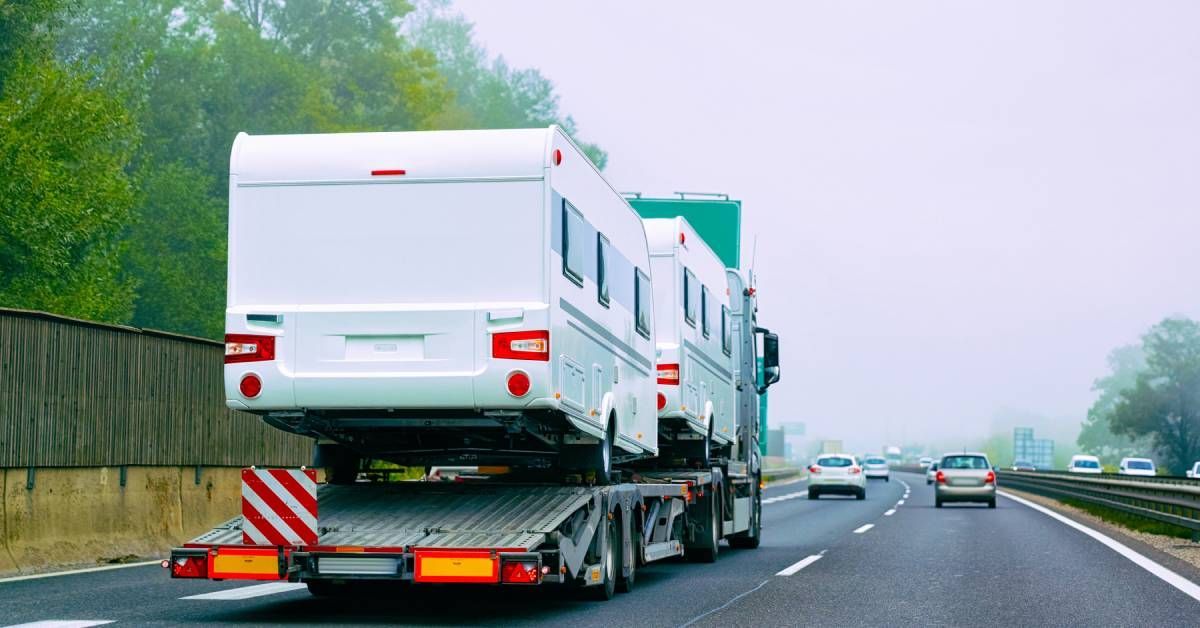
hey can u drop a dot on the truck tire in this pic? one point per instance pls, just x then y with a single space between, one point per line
609 564
707 553
750 539
629 559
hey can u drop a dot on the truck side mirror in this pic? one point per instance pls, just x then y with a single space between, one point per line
770 359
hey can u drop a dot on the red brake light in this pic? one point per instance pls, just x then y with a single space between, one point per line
518 384
662 401
522 345
388 172
189 566
991 478
668 374
941 477
250 386
814 469
248 348
855 470
524 572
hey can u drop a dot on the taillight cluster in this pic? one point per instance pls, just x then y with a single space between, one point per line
521 572
941 477
522 345
249 348
194 566
668 374
814 469
855 470
991 478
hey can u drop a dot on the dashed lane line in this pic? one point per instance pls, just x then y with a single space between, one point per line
245 593
864 528
780 498
63 623
800 564
890 512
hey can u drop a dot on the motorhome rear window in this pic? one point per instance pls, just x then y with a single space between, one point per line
726 332
573 230
704 325
690 296
602 257
641 291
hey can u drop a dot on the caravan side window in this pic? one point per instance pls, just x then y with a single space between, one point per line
726 331
572 243
690 294
641 302
704 326
602 257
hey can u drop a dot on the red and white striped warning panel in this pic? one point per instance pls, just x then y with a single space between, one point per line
279 506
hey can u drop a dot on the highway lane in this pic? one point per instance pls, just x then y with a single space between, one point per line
965 565
667 594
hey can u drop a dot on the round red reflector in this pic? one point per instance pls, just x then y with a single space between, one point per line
557 157
682 238
518 384
662 401
251 386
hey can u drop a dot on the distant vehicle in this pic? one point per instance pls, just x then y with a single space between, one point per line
1136 466
1023 465
966 477
893 455
1194 472
836 473
1081 463
925 462
931 472
876 467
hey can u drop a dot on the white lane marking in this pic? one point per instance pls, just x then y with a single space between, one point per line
1166 575
907 488
53 574
800 564
890 512
900 503
864 528
245 593
63 623
780 498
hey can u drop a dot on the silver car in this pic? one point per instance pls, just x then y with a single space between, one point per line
965 477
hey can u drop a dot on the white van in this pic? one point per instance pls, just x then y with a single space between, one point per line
442 297
1083 463
695 342
1136 466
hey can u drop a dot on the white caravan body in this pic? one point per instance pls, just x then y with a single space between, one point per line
694 335
405 279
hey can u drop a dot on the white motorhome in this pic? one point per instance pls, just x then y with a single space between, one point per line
695 341
442 297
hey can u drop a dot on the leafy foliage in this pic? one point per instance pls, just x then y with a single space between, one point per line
116 121
1097 437
1164 403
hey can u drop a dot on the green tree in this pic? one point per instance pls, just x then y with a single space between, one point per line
1097 436
489 93
65 195
1164 403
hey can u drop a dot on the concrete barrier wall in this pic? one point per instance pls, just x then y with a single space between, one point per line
82 515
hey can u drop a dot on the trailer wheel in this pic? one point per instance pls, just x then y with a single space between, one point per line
609 560
596 459
629 559
707 553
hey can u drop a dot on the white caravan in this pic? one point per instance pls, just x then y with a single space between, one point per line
442 297
695 342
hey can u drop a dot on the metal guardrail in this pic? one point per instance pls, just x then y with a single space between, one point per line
781 473
1171 500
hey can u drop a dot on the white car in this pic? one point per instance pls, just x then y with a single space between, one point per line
925 462
876 467
931 472
1081 463
836 473
1136 466
1194 472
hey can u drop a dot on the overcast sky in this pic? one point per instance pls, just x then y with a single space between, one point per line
960 207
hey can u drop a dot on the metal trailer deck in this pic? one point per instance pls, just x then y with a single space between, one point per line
481 532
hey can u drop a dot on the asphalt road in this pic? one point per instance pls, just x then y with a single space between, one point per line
961 565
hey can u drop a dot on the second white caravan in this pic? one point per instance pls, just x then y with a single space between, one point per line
695 343
443 297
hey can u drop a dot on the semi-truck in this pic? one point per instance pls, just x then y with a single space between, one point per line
376 361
